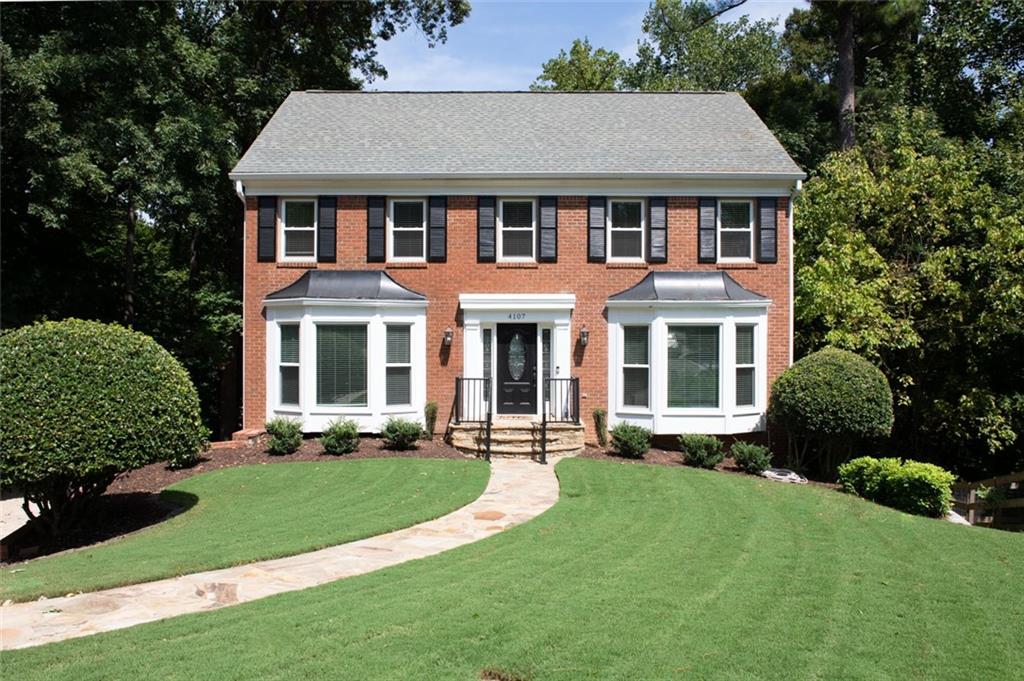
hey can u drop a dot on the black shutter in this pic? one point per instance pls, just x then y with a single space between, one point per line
375 238
657 230
596 229
437 229
326 229
706 237
485 227
767 231
266 229
547 234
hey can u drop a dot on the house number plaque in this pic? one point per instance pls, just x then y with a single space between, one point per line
516 316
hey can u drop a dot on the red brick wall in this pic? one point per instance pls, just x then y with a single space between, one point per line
443 282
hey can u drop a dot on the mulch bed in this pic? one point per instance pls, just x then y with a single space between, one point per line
133 501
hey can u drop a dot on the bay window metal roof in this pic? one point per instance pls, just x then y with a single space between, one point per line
697 287
346 285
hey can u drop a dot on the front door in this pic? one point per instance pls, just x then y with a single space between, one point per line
517 369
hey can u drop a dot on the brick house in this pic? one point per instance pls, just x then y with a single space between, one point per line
531 256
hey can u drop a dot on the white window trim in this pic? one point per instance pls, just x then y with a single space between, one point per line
316 363
643 229
737 366
391 227
728 418
633 408
282 406
282 228
397 365
501 229
719 229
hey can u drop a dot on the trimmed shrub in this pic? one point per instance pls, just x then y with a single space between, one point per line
430 419
285 435
400 434
828 402
630 441
83 402
703 451
601 426
750 457
911 486
341 436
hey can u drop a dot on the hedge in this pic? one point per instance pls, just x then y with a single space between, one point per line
911 486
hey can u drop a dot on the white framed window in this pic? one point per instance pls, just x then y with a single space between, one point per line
517 225
398 364
626 223
694 366
636 366
288 365
735 231
341 364
407 230
298 230
745 365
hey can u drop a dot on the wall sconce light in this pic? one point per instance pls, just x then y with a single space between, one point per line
584 336
447 338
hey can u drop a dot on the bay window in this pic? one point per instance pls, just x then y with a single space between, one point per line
288 365
341 365
635 366
398 371
693 366
745 365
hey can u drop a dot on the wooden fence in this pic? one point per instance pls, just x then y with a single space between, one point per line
996 502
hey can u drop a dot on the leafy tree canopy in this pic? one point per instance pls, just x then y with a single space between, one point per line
581 68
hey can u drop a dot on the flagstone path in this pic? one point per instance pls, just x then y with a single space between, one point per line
517 491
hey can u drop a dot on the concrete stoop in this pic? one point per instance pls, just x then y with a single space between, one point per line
517 437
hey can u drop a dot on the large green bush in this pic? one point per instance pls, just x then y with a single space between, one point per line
630 441
83 402
285 435
703 451
828 402
911 486
751 457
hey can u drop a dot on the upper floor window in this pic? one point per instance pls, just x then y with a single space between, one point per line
626 229
735 230
298 229
517 222
407 230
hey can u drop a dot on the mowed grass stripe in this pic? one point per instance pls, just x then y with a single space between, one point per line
638 572
252 513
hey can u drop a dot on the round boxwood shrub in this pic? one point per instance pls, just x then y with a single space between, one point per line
400 434
703 451
341 436
750 457
828 402
630 441
83 402
285 435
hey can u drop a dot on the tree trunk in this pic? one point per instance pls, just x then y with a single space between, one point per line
847 133
129 268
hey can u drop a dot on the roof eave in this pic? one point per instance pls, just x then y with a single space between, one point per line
778 175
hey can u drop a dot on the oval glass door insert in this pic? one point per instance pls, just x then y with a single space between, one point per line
516 357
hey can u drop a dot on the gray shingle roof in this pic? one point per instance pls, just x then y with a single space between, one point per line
705 287
514 134
346 285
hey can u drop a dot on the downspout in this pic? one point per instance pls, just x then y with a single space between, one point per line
240 192
792 243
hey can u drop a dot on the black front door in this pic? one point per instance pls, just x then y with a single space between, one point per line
517 368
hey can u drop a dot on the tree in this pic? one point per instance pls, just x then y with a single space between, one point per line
119 126
686 47
582 68
911 252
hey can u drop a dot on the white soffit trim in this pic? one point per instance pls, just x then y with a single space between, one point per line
499 302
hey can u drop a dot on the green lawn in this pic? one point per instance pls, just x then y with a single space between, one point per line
639 572
258 512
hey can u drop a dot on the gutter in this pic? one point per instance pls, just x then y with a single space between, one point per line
792 254
296 177
240 193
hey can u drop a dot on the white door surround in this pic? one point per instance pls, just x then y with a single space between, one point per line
552 311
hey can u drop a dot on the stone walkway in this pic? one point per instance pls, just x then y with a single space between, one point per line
518 490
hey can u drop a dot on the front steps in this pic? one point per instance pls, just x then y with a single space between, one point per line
516 436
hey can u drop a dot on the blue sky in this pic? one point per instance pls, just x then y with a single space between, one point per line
502 44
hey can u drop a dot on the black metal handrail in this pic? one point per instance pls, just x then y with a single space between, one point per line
561 405
473 405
